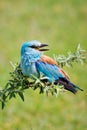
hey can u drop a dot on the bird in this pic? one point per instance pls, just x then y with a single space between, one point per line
34 63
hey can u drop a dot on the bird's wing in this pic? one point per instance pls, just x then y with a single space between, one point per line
50 68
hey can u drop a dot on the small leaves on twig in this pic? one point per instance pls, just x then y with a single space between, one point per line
18 82
79 56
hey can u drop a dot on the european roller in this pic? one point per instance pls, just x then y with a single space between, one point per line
34 63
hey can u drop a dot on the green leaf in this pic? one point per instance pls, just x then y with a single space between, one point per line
12 95
3 105
41 90
21 95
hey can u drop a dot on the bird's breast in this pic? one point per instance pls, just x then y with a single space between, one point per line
29 68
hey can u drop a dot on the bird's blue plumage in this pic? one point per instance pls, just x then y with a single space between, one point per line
49 70
33 63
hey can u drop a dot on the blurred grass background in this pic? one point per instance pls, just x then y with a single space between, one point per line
62 24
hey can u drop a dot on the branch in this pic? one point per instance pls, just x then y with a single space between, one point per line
18 83
79 56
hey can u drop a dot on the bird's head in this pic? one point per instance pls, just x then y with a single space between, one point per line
34 46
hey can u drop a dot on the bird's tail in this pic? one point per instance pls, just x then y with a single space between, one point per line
68 85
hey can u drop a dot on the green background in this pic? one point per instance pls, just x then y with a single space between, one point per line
63 25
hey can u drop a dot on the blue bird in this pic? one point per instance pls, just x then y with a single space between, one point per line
34 63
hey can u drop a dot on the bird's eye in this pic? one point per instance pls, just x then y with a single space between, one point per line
33 46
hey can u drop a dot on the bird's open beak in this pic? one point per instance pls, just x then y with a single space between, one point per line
43 49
